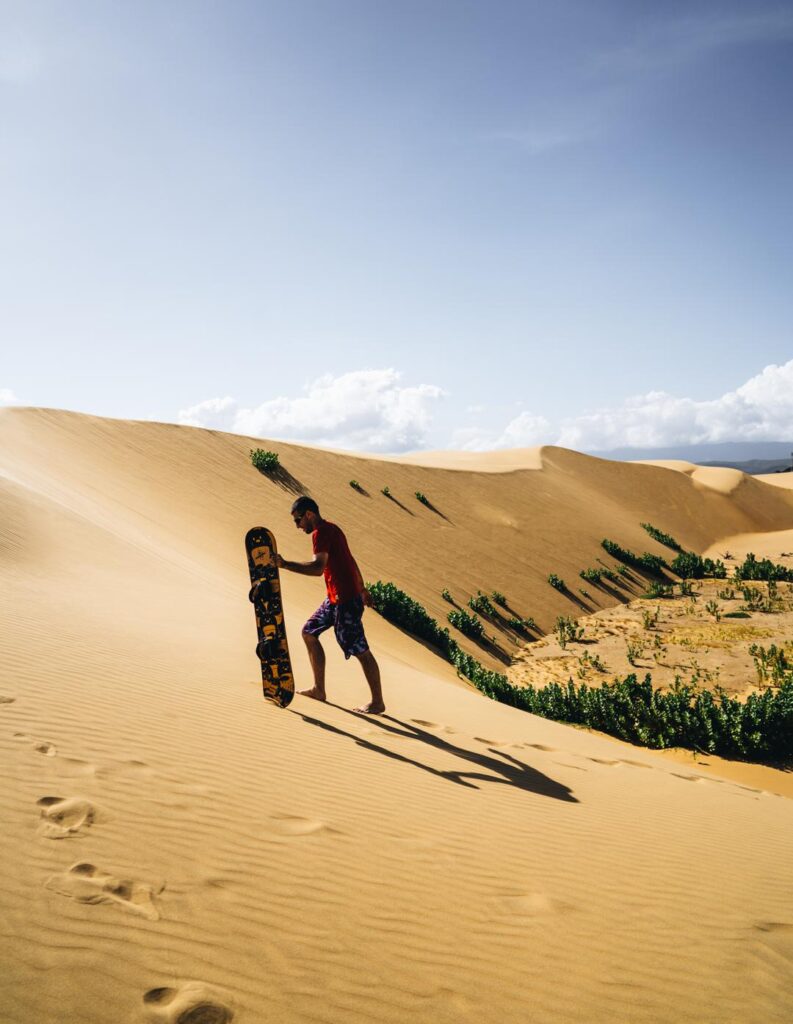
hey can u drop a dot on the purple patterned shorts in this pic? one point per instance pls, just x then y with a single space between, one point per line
345 618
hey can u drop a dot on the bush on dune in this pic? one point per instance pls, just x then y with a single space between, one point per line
757 729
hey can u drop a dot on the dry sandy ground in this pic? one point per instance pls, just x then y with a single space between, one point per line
176 850
677 638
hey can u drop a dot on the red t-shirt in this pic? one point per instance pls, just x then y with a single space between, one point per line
342 579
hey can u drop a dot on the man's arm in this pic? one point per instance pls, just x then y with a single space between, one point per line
313 568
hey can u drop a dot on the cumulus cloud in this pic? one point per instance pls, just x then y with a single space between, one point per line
7 396
364 410
215 413
759 410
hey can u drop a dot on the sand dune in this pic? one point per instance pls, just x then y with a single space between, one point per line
176 850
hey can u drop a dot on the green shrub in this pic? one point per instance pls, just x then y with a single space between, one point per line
634 649
356 486
691 566
265 462
662 538
447 596
756 601
395 605
644 563
499 598
470 625
567 631
713 609
620 553
482 605
557 582
422 498
587 662
523 626
386 491
654 563
757 729
765 569
592 575
658 589
772 661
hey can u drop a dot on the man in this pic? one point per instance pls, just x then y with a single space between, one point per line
343 607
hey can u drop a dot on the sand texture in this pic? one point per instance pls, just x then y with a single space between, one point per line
175 850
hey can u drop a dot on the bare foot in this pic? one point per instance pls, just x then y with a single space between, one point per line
371 708
313 693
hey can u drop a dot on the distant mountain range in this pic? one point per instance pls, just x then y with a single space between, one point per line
748 456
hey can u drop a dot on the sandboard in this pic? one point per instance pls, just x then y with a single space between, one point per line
278 684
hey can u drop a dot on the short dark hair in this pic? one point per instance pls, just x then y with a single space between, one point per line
305 504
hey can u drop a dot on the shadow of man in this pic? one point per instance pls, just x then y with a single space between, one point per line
501 768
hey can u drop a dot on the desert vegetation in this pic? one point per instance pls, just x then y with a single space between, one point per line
661 537
687 715
264 461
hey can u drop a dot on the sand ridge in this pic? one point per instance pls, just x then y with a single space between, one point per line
178 851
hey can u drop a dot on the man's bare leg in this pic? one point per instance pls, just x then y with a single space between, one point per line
316 656
372 672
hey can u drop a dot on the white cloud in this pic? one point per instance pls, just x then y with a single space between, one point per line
523 431
7 396
371 410
214 413
759 410
364 410
671 43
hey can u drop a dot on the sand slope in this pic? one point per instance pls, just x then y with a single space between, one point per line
172 843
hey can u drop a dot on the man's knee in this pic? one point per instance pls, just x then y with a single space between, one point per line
311 640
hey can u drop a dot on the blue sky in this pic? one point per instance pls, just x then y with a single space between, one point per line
397 225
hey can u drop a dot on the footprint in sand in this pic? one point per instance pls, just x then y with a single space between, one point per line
6 700
775 926
47 749
423 724
192 1003
532 904
72 767
294 825
777 936
64 817
618 763
541 746
127 769
87 884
